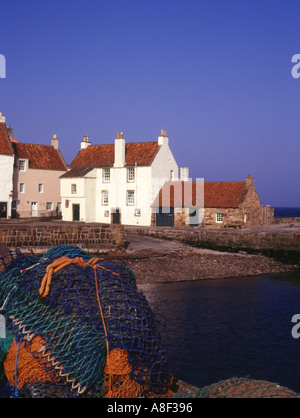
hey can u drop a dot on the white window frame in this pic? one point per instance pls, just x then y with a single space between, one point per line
22 165
22 188
219 218
104 198
73 188
106 175
41 187
130 197
130 174
51 206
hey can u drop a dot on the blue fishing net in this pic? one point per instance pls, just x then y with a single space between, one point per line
69 323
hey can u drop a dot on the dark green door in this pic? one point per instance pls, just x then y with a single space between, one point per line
116 216
3 210
76 212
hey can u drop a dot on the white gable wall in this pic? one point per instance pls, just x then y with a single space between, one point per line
6 180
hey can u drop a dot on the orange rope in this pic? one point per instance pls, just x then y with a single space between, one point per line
63 262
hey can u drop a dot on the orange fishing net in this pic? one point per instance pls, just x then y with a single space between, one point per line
118 383
29 369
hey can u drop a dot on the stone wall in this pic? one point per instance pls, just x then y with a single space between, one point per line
86 236
285 220
252 208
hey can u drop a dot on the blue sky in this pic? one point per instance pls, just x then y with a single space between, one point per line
215 74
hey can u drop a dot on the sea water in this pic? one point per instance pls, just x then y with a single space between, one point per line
240 327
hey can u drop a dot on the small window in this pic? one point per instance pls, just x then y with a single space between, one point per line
130 197
104 197
130 174
172 175
22 187
41 188
67 203
74 188
58 206
219 217
22 165
106 175
138 212
49 205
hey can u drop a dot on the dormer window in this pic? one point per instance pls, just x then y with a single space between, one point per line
22 165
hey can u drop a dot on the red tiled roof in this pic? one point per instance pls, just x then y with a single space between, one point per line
223 194
217 194
141 153
5 147
43 157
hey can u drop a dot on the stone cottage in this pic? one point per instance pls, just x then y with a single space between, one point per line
211 204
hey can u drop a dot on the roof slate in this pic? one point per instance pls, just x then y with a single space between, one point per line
140 153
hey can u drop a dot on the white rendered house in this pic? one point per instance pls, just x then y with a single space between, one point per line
116 183
6 170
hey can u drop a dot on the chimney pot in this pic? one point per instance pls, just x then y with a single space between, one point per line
85 143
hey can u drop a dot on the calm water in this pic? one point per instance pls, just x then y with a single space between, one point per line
286 212
217 329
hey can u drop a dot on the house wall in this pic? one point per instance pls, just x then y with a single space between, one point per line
117 189
252 208
31 178
6 180
84 197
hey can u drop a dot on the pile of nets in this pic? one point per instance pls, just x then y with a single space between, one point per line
76 326
242 388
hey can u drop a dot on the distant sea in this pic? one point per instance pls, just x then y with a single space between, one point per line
286 212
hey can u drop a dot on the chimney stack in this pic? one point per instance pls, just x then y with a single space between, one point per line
54 142
85 143
2 118
184 173
119 151
10 132
163 138
249 181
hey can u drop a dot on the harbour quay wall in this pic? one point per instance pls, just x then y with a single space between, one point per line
86 236
271 243
285 220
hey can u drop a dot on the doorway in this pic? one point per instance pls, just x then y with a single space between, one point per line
34 209
116 216
3 209
76 212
